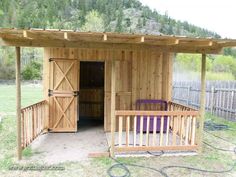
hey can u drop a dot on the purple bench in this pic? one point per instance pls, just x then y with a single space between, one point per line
154 105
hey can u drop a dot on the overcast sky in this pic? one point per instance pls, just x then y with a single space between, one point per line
215 15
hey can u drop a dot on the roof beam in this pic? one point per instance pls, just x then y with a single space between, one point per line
10 36
227 44
45 34
172 42
29 35
114 46
137 40
208 43
163 42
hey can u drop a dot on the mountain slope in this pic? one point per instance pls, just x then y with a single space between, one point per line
116 15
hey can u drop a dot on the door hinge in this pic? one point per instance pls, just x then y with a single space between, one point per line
50 92
76 93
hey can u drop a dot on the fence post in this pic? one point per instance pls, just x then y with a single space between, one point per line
232 104
212 99
188 95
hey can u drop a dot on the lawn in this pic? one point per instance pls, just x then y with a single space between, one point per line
210 159
30 94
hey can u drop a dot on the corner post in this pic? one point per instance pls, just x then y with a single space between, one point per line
18 103
113 102
202 103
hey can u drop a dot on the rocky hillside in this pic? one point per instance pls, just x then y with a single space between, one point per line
94 15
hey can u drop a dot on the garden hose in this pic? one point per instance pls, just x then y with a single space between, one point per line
127 173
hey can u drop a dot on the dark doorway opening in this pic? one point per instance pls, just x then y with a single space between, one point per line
91 97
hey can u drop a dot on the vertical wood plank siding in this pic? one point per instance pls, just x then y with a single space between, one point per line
140 74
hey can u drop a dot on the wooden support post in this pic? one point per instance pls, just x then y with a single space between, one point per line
113 101
18 103
202 104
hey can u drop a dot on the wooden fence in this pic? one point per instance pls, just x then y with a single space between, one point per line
33 122
220 96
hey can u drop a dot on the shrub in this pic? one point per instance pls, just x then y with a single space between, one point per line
191 62
32 71
7 71
225 64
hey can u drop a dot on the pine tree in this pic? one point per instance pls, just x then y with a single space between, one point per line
139 25
119 27
94 22
128 22
144 21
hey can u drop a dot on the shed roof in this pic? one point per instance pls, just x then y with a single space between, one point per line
69 38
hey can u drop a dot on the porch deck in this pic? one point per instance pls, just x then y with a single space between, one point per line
52 148
176 131
147 139
147 153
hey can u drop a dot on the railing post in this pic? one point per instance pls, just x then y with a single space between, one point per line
32 121
212 99
200 123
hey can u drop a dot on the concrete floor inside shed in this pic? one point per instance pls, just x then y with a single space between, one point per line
54 148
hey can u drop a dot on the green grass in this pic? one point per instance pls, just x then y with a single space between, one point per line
220 76
8 142
223 76
30 94
27 152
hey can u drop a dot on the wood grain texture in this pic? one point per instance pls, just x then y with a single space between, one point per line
139 75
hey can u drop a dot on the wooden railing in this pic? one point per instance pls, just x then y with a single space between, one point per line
155 130
173 106
33 122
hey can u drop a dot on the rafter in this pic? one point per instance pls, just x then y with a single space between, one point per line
104 37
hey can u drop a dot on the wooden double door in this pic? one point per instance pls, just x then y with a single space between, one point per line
63 95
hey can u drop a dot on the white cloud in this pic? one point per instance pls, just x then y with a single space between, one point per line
215 15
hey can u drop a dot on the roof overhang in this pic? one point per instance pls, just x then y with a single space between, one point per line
74 39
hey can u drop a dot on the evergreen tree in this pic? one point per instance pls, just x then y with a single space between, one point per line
71 14
139 25
128 22
93 22
119 27
144 21
170 30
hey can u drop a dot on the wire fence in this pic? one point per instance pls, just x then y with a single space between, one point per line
220 96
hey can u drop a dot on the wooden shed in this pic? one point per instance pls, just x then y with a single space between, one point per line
125 80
